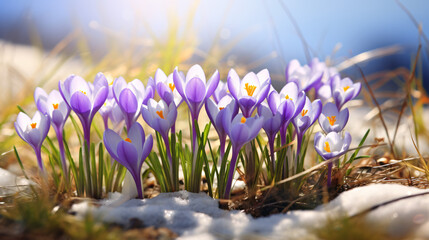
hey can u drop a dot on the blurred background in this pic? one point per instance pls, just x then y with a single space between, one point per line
257 34
42 42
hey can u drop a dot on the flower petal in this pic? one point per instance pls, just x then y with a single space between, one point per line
111 140
195 90
196 71
179 83
80 103
212 84
233 82
128 156
128 101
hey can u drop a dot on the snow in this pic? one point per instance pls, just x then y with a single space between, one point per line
197 216
10 183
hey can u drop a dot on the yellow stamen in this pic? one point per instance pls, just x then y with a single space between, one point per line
171 85
83 92
160 114
243 119
345 88
304 111
33 125
327 148
220 108
332 120
287 97
128 140
55 105
250 89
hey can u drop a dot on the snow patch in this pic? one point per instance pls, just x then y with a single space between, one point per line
197 216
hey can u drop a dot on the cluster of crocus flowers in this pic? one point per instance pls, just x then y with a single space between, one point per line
334 142
238 109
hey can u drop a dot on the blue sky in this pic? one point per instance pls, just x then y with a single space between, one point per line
357 25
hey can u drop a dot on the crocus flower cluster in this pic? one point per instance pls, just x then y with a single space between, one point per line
334 142
238 110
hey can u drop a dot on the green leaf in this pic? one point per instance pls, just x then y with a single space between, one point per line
20 162
355 153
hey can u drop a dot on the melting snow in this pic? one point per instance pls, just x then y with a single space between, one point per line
197 216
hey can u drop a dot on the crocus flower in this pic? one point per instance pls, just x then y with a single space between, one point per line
289 103
33 131
323 88
272 123
330 146
195 90
332 120
215 112
166 88
111 110
130 152
161 117
240 130
305 77
58 111
84 98
344 90
309 114
131 96
220 92
250 91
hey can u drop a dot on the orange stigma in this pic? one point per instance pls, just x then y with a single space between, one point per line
171 85
304 111
345 88
287 97
160 114
83 92
243 119
250 89
33 125
55 105
332 120
220 108
128 140
327 148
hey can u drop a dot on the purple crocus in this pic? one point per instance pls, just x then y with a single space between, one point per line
272 123
250 91
111 110
195 91
330 146
33 131
289 103
84 98
304 76
332 120
215 112
323 88
161 117
166 88
220 92
58 111
309 114
240 130
344 90
131 96
130 152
